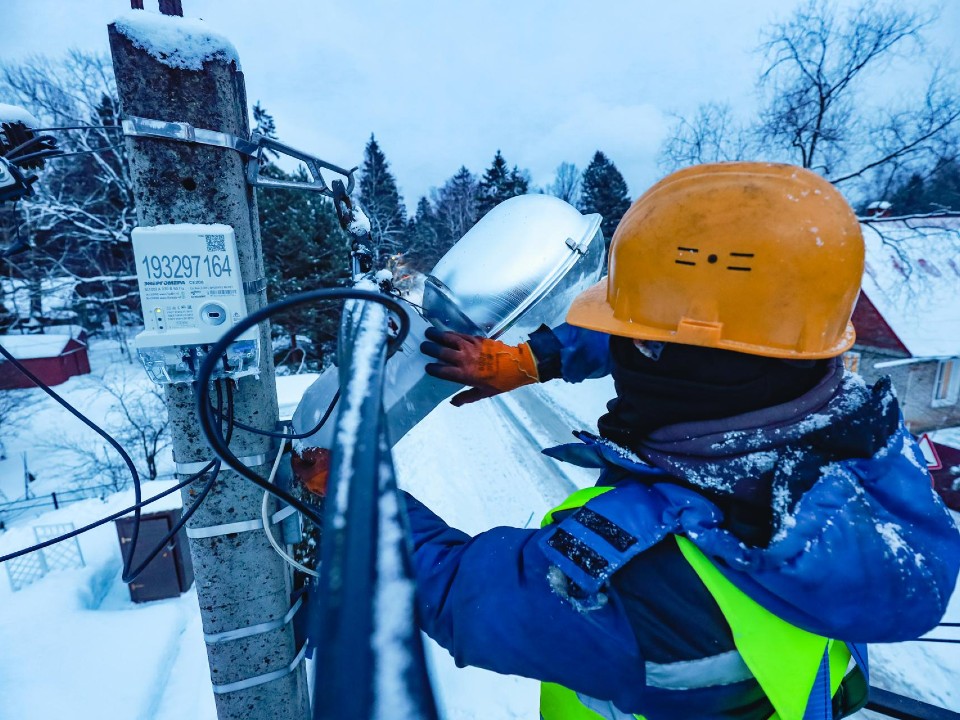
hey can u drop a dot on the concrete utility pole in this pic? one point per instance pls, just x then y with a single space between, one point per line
241 582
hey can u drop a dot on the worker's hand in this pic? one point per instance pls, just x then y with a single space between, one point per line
312 468
489 366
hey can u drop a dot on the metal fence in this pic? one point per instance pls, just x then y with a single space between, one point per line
27 569
16 508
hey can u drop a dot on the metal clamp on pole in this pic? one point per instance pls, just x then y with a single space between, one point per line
250 630
239 526
261 679
134 126
191 468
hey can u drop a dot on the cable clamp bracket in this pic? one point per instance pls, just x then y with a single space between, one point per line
240 526
316 183
261 679
254 149
251 630
134 126
192 468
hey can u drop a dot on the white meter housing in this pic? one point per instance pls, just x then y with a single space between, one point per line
191 293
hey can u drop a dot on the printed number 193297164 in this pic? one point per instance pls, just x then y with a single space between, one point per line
186 267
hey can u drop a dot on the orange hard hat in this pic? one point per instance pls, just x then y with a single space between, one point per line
758 258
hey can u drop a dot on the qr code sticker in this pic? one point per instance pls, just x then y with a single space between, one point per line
216 243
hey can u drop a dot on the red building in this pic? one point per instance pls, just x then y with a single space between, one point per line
946 478
908 316
54 359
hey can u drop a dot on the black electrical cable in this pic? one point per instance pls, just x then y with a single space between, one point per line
213 467
128 574
79 127
208 421
294 436
108 518
134 474
29 142
132 575
50 154
937 640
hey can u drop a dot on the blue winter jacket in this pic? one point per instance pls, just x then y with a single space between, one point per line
603 603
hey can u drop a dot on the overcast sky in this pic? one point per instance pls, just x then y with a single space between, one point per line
444 83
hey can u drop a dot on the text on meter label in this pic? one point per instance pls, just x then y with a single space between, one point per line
186 267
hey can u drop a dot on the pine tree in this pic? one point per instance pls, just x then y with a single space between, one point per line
499 183
604 191
263 121
381 201
938 191
303 249
264 124
455 205
423 240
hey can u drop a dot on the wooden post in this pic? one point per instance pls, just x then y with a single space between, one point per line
171 7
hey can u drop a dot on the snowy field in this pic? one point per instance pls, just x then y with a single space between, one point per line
75 645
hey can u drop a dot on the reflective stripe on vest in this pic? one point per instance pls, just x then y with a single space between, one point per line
789 679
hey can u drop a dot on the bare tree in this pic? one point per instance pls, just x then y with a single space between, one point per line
821 74
137 418
77 224
142 420
817 65
713 135
566 183
13 405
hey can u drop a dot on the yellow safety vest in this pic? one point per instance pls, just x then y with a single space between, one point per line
783 658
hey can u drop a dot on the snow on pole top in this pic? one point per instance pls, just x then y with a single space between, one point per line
15 113
177 42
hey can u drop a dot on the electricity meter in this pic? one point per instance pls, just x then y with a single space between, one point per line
191 293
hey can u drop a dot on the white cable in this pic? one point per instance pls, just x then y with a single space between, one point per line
264 516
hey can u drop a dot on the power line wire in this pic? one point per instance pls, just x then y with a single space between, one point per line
128 573
108 518
131 467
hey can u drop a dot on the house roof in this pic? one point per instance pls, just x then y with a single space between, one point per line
31 347
912 277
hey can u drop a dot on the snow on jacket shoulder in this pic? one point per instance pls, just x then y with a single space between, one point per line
853 529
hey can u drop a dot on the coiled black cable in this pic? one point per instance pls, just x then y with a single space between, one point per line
208 420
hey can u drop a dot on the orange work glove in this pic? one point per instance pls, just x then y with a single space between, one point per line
312 468
489 366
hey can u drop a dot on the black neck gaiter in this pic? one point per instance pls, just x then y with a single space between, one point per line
689 383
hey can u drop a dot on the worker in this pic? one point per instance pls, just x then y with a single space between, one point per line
760 514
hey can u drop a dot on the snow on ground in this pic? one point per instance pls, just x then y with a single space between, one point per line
76 646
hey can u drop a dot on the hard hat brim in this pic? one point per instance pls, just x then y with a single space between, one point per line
592 310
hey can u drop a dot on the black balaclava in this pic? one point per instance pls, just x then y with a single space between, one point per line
686 383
